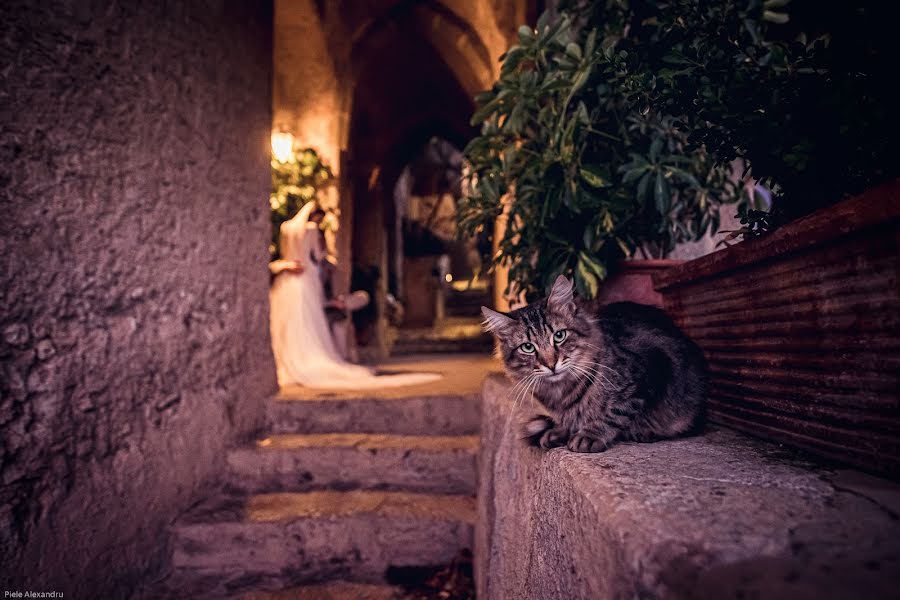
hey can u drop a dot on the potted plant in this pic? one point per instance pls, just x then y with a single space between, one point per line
799 325
798 321
596 175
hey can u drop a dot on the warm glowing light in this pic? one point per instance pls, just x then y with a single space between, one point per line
448 277
282 145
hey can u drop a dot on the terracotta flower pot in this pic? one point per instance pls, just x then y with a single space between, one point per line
633 281
802 330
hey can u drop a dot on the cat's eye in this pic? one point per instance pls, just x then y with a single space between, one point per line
560 336
527 348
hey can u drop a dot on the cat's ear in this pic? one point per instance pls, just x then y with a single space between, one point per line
494 321
561 297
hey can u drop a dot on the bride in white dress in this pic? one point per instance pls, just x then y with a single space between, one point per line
305 353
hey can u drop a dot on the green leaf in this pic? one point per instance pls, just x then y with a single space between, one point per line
590 43
588 237
597 268
776 17
482 114
585 281
661 194
526 34
595 175
643 186
633 174
685 176
580 80
511 60
655 149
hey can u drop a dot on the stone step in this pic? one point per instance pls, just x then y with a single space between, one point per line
333 590
448 406
292 462
282 540
475 345
445 414
467 303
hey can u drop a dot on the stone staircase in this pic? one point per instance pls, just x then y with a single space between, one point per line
452 335
347 486
467 303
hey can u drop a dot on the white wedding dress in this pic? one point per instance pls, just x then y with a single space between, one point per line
305 353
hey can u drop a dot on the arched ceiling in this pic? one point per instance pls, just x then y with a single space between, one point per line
468 34
414 67
403 85
454 40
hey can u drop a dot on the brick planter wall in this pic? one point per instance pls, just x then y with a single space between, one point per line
801 329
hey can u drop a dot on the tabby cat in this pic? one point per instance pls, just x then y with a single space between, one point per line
619 372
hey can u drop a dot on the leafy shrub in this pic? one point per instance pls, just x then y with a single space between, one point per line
596 174
616 124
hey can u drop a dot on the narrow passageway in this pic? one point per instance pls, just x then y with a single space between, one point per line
355 488
183 180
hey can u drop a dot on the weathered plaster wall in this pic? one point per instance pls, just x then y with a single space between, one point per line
308 98
133 288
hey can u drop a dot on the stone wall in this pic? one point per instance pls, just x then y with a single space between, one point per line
133 283
715 516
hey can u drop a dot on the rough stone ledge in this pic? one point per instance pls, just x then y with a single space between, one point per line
716 516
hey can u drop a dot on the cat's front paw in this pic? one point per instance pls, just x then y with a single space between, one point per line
534 428
554 438
582 442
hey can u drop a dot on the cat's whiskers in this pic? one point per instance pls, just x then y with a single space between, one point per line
584 373
524 390
599 349
607 382
604 381
598 366
514 387
579 376
530 381
569 364
522 384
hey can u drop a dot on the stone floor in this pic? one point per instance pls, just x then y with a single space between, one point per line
452 334
462 376
336 590
345 487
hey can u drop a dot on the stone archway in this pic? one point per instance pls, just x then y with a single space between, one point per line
417 66
360 80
